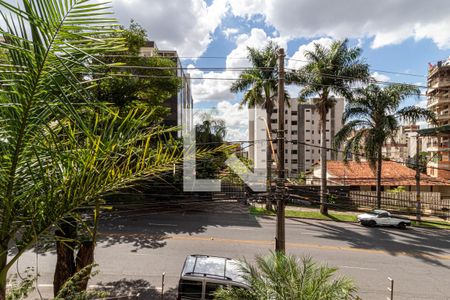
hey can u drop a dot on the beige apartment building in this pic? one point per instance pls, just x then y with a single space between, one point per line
438 140
302 127
403 146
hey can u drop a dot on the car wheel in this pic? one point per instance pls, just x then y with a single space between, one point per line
402 225
371 223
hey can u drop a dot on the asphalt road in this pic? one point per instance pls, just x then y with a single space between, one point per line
134 250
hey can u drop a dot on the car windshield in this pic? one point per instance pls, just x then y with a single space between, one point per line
377 212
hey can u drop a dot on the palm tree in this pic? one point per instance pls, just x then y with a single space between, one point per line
56 158
260 84
329 71
372 118
283 277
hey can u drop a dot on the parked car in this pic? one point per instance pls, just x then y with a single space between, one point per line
380 217
202 275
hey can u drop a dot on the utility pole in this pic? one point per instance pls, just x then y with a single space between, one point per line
280 243
418 203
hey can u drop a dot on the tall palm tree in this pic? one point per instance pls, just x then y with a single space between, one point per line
372 118
329 71
283 277
260 84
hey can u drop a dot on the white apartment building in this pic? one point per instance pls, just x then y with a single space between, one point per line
302 126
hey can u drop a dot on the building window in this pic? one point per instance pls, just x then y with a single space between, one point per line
312 151
294 112
309 121
286 161
308 110
275 111
313 132
308 141
294 151
294 132
274 120
294 122
294 161
307 130
308 160
307 150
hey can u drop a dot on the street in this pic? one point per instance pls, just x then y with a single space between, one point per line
136 248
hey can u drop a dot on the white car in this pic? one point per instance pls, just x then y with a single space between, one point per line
380 217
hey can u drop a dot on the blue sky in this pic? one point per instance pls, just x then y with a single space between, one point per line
395 36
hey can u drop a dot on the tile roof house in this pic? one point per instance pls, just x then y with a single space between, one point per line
361 174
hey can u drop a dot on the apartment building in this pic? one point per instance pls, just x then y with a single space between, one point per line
438 141
302 127
403 146
183 101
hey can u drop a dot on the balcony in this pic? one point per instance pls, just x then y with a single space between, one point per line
438 101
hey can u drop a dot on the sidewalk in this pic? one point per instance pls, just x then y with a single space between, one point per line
294 208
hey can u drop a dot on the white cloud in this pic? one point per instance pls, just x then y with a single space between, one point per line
380 77
215 86
184 25
388 22
298 60
235 117
217 90
230 32
246 8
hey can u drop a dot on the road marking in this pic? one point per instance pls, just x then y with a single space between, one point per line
358 268
303 245
162 224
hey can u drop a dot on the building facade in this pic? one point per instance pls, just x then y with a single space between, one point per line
181 105
438 144
302 135
403 146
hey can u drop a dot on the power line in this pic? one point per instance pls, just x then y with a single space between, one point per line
237 78
245 58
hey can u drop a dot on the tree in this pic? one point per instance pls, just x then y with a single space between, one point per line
55 157
284 277
329 71
137 81
210 134
42 70
260 84
372 118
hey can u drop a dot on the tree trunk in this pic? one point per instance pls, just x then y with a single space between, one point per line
323 165
65 249
3 271
379 166
269 158
85 257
